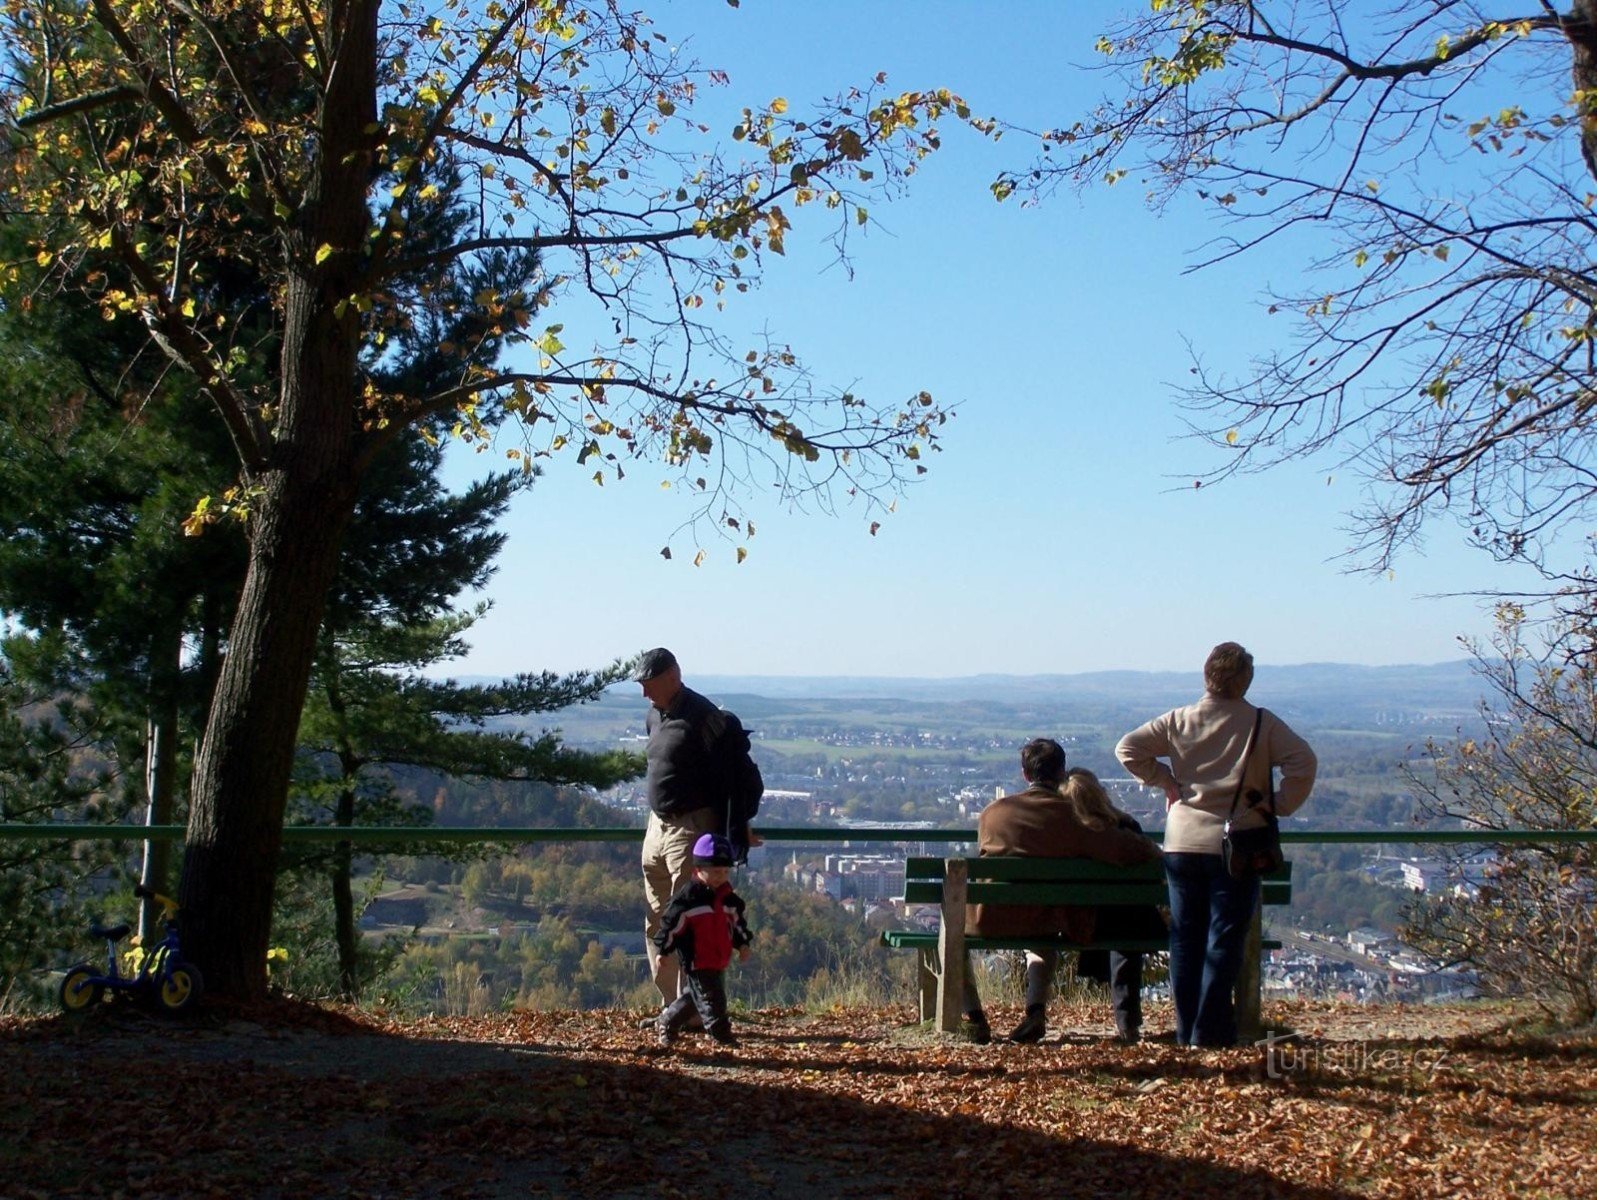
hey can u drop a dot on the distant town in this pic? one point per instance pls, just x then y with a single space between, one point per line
1361 964
918 754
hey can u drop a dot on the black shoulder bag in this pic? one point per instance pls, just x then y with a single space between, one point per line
1249 853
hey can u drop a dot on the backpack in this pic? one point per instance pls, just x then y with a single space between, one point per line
737 778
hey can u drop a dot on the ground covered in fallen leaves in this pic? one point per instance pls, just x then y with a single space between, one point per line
294 1101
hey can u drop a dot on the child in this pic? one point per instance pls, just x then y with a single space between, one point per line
704 924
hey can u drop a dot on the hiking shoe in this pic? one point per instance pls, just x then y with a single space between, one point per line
978 1033
664 1035
1029 1030
693 1024
723 1037
1127 1034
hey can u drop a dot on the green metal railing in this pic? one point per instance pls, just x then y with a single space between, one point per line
378 834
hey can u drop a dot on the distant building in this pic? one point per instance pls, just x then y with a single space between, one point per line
1411 962
1368 941
861 876
1422 874
1461 877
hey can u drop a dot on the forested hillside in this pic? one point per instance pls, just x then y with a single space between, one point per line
481 929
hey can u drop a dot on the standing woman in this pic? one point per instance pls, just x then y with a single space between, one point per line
1196 755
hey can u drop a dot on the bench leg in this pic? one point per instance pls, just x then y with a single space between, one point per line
951 946
951 989
1250 982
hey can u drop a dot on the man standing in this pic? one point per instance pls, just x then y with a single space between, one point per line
683 786
1062 815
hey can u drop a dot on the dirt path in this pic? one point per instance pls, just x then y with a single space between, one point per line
316 1103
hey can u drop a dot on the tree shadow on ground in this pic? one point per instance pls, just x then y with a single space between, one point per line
244 1111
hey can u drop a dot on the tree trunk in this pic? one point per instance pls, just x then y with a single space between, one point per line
160 766
349 767
241 776
306 492
344 901
1580 27
213 613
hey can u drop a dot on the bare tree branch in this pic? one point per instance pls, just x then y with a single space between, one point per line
1442 341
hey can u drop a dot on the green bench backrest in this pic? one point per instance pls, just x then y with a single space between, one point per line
1060 881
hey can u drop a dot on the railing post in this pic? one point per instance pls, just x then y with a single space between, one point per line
1250 980
951 945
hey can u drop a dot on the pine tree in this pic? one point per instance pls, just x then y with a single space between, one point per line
292 142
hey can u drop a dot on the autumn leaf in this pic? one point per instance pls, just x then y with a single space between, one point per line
857 1092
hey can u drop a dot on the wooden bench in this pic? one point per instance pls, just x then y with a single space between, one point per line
954 883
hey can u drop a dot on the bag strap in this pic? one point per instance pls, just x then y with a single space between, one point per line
1242 775
1269 783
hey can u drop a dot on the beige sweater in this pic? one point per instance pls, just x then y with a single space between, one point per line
1202 746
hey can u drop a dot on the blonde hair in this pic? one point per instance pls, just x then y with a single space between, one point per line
1088 799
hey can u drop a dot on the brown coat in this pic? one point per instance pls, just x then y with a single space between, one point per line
1040 823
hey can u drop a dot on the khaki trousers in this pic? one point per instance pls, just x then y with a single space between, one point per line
667 864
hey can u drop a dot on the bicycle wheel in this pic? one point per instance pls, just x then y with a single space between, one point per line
180 987
79 992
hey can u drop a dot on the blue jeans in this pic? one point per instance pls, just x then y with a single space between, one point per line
1209 917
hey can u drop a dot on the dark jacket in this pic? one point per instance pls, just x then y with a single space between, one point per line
1040 823
681 775
703 925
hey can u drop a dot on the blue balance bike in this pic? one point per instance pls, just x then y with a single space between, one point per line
156 974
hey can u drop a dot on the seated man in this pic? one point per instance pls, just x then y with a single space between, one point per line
1062 816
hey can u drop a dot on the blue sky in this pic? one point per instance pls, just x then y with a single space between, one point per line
1058 531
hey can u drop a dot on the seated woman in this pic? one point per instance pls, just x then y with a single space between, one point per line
1061 815
1122 972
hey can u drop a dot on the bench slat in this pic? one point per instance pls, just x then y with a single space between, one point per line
914 939
1099 894
1107 893
1007 869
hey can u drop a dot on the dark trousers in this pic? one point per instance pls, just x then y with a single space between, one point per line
706 992
1209 917
1122 972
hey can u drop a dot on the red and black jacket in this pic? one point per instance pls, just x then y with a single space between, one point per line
704 925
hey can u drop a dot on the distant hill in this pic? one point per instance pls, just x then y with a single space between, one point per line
1438 697
1442 689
